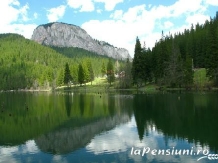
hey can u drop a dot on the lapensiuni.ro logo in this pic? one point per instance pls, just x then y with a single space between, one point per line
202 153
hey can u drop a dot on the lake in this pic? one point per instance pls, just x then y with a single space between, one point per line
109 127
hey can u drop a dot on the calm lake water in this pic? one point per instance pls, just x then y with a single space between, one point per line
109 127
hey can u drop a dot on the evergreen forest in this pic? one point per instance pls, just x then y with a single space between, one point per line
174 59
25 64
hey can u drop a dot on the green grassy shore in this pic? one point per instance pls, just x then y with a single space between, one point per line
201 82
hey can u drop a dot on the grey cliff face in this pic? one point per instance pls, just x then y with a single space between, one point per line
65 35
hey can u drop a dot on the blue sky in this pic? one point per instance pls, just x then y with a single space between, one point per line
115 21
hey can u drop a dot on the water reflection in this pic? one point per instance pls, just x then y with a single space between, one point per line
68 103
70 139
87 128
192 116
81 104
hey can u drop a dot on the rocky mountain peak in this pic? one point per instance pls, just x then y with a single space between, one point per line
68 35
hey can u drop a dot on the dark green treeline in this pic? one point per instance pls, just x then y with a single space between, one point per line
174 58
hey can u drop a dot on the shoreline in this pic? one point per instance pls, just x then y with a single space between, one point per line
102 88
27 90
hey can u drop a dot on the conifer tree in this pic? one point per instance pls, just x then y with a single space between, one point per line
67 75
188 72
174 71
110 72
147 67
85 71
60 77
81 76
162 59
91 72
137 65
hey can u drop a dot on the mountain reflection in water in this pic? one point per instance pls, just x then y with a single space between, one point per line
85 128
67 140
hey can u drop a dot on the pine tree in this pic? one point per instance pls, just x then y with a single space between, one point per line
188 72
147 67
91 72
137 65
74 72
67 75
81 76
110 72
193 45
162 59
85 71
174 71
49 76
60 77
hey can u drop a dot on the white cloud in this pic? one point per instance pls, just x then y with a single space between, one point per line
35 15
150 39
55 14
59 158
117 32
12 14
109 4
149 6
30 147
122 31
89 5
23 12
83 5
6 154
14 2
212 2
99 11
197 18
186 6
110 141
117 14
146 22
179 29
24 29
8 11
178 9
168 25
134 14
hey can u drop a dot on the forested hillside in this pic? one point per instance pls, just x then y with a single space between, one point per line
27 64
78 54
174 59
